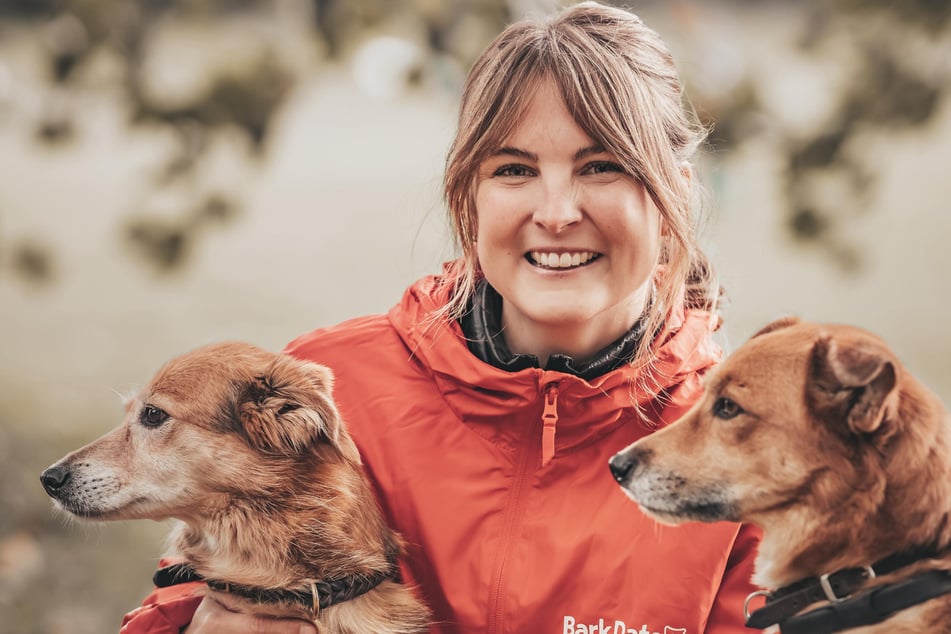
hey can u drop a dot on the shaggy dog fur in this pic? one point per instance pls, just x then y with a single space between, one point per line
817 434
247 449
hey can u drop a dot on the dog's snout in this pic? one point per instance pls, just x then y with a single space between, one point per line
55 478
624 464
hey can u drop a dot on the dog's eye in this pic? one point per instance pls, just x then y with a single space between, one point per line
726 409
152 416
287 407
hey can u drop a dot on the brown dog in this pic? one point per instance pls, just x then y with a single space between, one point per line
247 449
817 434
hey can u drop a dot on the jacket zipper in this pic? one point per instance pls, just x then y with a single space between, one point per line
527 458
549 420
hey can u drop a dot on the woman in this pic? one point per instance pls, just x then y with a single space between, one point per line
487 403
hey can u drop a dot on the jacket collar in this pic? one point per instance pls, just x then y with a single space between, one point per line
482 326
496 403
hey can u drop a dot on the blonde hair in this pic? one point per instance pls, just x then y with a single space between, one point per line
619 82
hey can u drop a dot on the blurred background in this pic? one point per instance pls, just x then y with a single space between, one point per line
177 172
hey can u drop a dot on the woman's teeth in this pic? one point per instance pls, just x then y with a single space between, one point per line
561 260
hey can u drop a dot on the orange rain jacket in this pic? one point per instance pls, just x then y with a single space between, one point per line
497 540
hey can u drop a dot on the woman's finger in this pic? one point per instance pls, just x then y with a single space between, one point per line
219 616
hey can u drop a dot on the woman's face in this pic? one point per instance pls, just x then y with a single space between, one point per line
565 235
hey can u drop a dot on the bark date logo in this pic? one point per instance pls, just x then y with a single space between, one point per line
572 626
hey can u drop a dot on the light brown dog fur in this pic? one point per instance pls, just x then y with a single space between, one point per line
834 449
255 461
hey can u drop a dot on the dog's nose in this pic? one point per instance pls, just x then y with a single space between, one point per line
620 467
55 478
624 464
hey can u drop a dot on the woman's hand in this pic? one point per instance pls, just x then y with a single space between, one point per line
216 616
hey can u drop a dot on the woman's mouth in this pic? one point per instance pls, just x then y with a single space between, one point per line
563 260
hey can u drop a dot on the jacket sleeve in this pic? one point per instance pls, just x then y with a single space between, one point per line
165 610
726 617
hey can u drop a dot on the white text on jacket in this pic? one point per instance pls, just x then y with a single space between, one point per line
617 627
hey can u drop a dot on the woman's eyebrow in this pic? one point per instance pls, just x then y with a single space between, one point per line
514 151
525 154
588 151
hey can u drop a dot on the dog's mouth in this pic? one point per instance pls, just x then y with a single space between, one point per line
86 513
84 510
668 499
687 510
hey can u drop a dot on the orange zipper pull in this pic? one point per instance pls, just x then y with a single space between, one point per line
549 420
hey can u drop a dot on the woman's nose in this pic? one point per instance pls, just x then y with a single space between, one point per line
559 209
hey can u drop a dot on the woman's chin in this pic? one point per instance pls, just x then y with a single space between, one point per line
547 310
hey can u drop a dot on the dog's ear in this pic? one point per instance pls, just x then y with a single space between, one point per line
777 324
851 382
289 408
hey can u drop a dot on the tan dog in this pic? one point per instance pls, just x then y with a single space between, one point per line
247 449
817 434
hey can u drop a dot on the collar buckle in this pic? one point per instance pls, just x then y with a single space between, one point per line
315 600
829 591
749 599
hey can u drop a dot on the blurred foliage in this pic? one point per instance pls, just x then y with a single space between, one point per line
893 88
886 91
167 244
33 262
244 98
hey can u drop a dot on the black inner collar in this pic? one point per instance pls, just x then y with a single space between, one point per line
482 326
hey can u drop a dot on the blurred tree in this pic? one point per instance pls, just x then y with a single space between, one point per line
244 97
891 89
167 244
886 90
33 262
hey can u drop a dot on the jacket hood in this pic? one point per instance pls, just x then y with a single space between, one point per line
493 401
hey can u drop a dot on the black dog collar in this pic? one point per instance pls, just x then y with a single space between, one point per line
839 590
789 600
870 607
318 596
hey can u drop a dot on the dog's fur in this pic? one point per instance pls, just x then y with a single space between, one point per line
256 463
835 450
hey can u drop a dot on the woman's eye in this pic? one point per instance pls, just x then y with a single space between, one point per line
152 416
513 170
602 167
726 409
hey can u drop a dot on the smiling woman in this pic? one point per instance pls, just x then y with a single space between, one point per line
586 121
